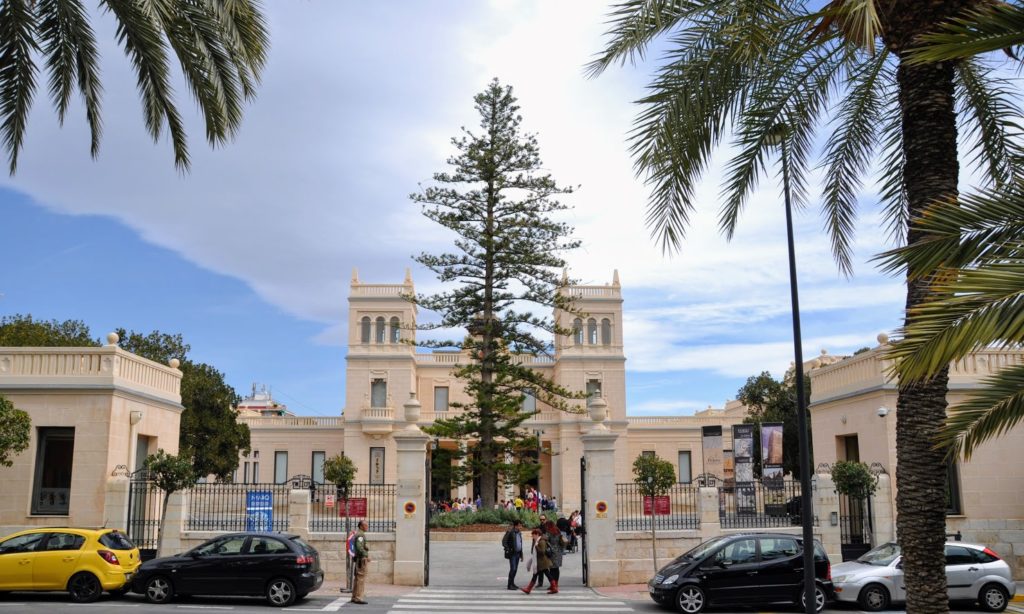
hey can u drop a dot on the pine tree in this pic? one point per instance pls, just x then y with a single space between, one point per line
501 205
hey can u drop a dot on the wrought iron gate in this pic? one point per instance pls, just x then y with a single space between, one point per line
145 502
854 526
583 507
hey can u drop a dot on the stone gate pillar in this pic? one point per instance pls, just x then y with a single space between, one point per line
410 498
600 513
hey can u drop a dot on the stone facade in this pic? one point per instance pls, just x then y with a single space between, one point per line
383 368
96 413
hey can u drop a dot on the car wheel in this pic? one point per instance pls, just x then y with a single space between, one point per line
159 590
993 598
84 588
281 592
690 599
873 598
819 599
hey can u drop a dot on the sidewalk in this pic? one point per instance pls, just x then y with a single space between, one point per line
625 592
372 590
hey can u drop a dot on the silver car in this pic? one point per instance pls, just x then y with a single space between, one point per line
973 573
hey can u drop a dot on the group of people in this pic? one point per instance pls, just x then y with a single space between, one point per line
456 505
533 501
543 555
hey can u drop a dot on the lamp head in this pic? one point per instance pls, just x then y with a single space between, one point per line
777 134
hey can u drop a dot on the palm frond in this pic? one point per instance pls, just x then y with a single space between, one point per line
848 155
140 32
857 20
635 23
987 413
244 35
991 118
893 190
995 26
17 73
69 46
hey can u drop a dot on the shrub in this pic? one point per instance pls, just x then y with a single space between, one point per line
451 520
854 479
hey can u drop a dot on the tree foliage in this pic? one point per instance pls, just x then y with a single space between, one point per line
502 208
340 471
220 47
771 400
15 431
22 331
654 476
854 479
170 473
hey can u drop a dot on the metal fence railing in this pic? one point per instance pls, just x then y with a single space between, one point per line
760 504
676 509
238 507
375 503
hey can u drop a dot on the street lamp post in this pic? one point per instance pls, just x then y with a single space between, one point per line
779 137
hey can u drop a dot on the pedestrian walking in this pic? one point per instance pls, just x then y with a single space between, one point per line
540 525
512 542
538 559
555 548
362 563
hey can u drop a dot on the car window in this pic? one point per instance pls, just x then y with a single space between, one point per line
984 557
115 540
702 550
22 543
882 555
737 553
305 547
958 555
777 547
223 546
64 541
267 545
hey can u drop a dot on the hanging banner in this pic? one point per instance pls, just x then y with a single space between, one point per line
711 445
771 455
743 456
259 510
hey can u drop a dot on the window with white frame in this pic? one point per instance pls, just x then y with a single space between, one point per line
381 332
606 331
592 331
395 331
378 392
577 331
685 475
280 467
364 330
529 401
51 490
318 466
441 398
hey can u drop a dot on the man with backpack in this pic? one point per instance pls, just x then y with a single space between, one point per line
512 544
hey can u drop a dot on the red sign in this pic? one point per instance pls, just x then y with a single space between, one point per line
354 507
662 506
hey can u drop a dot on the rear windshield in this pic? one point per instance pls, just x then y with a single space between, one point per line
116 541
305 547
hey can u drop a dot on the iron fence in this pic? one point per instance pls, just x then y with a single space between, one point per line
374 503
217 506
676 509
761 504
145 502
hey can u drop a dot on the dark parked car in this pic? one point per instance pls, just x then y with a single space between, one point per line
742 569
281 567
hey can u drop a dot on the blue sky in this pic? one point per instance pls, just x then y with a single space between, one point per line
250 254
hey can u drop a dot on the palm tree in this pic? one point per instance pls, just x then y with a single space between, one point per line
987 28
220 45
739 68
974 259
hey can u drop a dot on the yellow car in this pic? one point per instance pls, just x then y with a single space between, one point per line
83 562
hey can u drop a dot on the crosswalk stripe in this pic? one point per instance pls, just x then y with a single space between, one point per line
523 599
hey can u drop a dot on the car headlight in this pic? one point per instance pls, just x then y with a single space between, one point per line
839 579
671 579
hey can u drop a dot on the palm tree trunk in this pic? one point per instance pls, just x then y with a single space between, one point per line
931 172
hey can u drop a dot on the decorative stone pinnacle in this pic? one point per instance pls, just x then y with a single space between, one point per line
355 275
615 278
174 363
408 276
112 339
883 339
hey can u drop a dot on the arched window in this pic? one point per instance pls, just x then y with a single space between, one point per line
364 335
577 331
606 332
592 331
396 331
381 333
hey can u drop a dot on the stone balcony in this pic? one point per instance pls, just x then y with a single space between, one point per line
77 368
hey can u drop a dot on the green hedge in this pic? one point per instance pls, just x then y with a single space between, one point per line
448 520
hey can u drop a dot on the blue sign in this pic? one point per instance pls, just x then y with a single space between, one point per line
259 510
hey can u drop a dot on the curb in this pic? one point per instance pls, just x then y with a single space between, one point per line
1018 598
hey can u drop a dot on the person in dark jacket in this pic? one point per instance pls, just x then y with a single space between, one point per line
556 546
512 542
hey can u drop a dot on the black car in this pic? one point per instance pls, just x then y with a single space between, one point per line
742 569
282 567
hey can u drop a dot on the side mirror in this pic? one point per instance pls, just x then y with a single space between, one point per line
899 565
195 554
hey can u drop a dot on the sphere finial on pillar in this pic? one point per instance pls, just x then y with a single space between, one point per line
112 338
